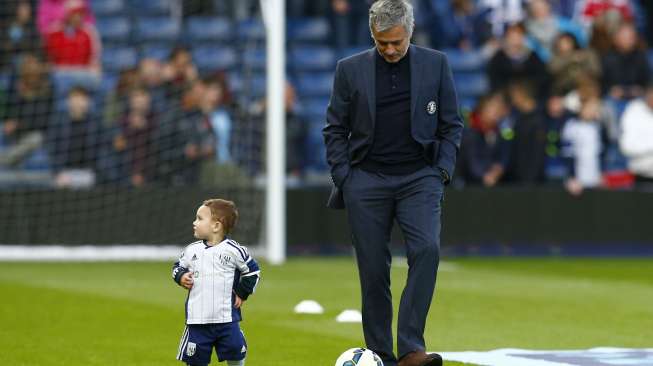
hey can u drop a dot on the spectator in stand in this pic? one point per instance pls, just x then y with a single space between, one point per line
556 117
589 10
178 73
590 89
544 27
74 45
583 143
485 150
636 140
135 139
516 62
75 139
502 13
51 15
28 107
149 71
185 139
214 106
570 63
18 34
529 144
296 134
116 101
625 69
349 23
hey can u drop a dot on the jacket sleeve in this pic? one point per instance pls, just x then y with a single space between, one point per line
337 129
450 125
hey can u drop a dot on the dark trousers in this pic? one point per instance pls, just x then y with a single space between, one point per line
374 201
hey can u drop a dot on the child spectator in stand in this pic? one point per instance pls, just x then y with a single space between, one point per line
528 148
485 151
582 143
75 142
27 109
135 141
178 73
116 101
544 27
636 141
74 45
17 34
219 275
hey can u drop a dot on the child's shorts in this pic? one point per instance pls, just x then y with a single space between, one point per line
198 342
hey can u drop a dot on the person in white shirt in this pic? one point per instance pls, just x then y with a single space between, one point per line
636 139
220 275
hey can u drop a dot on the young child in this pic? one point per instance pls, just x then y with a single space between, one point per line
220 275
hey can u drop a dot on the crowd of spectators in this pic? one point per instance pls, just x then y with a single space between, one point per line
569 99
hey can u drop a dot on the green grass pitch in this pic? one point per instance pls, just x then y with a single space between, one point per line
132 313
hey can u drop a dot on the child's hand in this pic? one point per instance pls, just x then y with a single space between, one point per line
238 302
187 280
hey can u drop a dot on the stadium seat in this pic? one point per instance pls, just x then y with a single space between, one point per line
352 51
472 84
316 154
313 58
254 59
156 50
119 58
103 8
467 61
39 160
211 58
114 29
650 59
314 84
157 29
467 103
151 7
251 30
314 30
248 86
208 29
5 80
314 108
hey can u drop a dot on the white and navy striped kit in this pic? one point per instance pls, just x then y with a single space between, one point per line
216 273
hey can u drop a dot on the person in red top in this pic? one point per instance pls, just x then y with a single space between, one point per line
588 10
74 44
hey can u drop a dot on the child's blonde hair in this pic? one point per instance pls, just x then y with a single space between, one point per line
223 211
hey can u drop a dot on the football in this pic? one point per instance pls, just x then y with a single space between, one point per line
359 357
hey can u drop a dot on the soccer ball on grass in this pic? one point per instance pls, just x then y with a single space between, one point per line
359 357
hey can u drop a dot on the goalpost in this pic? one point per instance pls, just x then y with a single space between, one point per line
104 215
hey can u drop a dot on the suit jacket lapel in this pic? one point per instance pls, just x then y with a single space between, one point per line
416 77
369 75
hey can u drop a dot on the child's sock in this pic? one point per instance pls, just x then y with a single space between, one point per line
236 363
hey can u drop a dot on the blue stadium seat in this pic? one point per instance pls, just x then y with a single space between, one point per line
314 84
114 29
472 84
156 50
467 103
316 154
650 58
254 59
39 160
313 58
157 29
103 8
314 30
5 80
352 51
208 29
252 86
119 58
211 58
314 108
468 61
251 30
151 7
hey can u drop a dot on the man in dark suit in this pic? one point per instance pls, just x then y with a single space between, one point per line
392 135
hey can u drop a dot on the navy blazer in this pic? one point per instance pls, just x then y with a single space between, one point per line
351 113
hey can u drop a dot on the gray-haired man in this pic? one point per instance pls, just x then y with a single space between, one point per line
392 135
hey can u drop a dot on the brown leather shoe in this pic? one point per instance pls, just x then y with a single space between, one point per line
420 358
